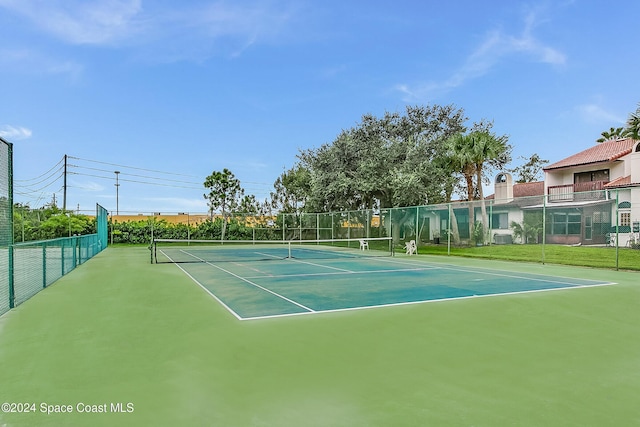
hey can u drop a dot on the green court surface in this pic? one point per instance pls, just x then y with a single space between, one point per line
148 346
255 290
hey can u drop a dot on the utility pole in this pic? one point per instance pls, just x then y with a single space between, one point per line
64 197
117 184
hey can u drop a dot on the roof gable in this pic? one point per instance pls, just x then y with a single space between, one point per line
525 189
605 152
618 182
528 189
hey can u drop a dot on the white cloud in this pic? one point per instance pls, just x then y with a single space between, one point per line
178 30
80 22
593 113
90 186
13 133
32 61
495 48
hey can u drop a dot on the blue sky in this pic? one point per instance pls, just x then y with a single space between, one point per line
167 92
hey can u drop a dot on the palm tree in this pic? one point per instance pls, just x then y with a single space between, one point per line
492 150
633 125
612 134
460 161
470 155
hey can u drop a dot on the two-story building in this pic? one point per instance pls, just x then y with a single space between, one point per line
594 191
588 197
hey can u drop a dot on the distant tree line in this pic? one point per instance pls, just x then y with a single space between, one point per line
424 155
48 222
231 228
51 222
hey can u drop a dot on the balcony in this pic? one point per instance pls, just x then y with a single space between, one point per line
582 191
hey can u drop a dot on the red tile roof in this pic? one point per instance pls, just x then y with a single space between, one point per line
526 189
605 152
619 182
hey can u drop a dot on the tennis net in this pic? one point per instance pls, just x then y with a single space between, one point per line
188 251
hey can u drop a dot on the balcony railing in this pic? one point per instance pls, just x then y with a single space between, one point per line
581 191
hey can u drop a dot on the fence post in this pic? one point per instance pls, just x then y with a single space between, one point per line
617 227
12 293
62 255
75 260
449 231
417 225
544 223
44 265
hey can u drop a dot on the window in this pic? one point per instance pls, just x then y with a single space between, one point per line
500 221
599 175
566 223
625 219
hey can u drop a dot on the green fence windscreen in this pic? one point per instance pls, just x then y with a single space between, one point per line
102 226
38 264
6 223
28 267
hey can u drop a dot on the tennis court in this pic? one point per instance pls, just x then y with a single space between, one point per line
260 280
120 329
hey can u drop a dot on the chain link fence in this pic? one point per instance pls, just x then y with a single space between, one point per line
6 221
606 223
524 228
29 267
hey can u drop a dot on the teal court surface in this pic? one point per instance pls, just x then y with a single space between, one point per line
257 282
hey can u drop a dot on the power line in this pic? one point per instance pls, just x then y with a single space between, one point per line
131 174
149 170
36 188
134 181
51 175
40 176
131 167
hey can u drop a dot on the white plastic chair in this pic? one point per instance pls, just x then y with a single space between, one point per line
364 244
411 247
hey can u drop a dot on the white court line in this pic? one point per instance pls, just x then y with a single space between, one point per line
506 273
249 267
341 273
269 255
253 284
236 315
413 264
320 265
369 307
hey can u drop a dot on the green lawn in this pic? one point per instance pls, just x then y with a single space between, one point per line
586 256
120 330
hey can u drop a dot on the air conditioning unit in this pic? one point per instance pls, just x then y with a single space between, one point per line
503 239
